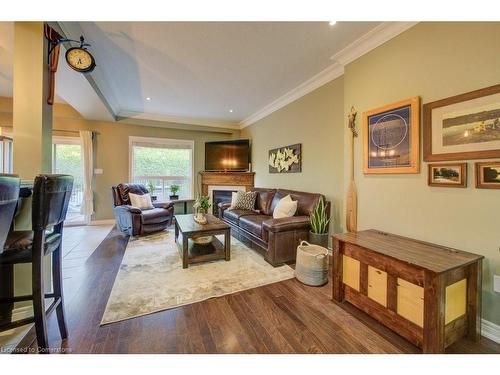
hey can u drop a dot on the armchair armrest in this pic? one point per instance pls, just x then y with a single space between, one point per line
164 205
128 208
287 223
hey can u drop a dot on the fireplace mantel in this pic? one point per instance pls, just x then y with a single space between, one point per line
245 179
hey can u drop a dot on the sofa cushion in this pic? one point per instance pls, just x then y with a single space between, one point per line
253 224
245 200
141 201
285 208
234 215
155 216
264 199
306 201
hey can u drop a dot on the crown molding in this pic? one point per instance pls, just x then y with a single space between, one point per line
371 40
367 42
330 73
131 115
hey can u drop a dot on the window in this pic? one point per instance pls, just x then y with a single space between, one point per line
5 154
162 162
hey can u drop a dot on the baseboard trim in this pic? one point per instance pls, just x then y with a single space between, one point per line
490 330
22 312
102 222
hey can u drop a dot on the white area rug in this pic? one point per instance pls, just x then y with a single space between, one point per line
151 277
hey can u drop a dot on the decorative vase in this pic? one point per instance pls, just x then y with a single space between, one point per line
200 218
174 197
320 239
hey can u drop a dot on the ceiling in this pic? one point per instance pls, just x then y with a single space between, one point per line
205 73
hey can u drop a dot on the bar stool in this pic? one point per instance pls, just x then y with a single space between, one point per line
9 196
51 195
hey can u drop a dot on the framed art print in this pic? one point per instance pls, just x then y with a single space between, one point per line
447 175
463 127
391 138
286 159
488 175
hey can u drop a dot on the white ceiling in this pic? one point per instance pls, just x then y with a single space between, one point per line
201 70
196 72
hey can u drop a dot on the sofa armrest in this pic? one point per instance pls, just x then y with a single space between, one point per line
165 205
128 208
287 223
222 207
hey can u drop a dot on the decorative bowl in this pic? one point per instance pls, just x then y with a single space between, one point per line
203 240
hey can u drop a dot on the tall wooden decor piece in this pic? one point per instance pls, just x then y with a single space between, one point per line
352 194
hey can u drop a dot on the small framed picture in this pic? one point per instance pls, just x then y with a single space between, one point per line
488 175
391 138
447 175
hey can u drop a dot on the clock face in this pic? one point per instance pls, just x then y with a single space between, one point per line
80 60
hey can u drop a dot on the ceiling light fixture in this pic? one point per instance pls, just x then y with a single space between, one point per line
231 110
148 99
331 23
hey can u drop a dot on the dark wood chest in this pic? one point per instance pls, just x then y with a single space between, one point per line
427 293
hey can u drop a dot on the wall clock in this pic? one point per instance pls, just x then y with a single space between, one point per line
80 59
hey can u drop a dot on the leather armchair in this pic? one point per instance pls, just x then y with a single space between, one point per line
134 221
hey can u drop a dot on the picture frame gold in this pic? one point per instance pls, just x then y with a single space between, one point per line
402 120
449 179
467 104
483 181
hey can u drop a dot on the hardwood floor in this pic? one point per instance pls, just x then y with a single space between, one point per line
286 317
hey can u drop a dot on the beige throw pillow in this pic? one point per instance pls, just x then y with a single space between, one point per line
286 207
234 196
142 202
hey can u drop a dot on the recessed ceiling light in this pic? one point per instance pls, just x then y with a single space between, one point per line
331 23
231 110
148 99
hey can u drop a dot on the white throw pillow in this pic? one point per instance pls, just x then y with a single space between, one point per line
234 195
142 202
286 207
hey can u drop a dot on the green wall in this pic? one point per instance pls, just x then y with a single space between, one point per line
111 146
430 60
316 121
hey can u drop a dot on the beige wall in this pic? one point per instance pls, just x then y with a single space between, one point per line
316 121
111 147
433 61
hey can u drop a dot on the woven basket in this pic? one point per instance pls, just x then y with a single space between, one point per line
311 266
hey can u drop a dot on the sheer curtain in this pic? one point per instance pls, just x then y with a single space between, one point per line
87 208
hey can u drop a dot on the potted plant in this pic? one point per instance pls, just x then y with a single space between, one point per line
318 234
152 188
174 188
201 206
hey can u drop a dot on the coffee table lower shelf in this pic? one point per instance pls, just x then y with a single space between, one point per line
186 229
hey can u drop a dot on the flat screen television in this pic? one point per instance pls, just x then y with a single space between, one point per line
232 155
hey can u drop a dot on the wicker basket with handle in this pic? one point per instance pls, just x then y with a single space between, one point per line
311 266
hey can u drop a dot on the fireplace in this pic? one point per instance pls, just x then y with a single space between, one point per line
220 196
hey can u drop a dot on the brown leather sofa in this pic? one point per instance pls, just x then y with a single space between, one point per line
133 221
277 239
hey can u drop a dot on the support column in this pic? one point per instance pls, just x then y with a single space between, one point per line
32 116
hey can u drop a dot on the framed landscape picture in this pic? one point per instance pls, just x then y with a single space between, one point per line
488 175
447 175
463 127
391 138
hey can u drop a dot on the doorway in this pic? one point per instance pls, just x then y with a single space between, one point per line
67 158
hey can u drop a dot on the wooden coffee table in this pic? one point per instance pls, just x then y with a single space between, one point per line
194 253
